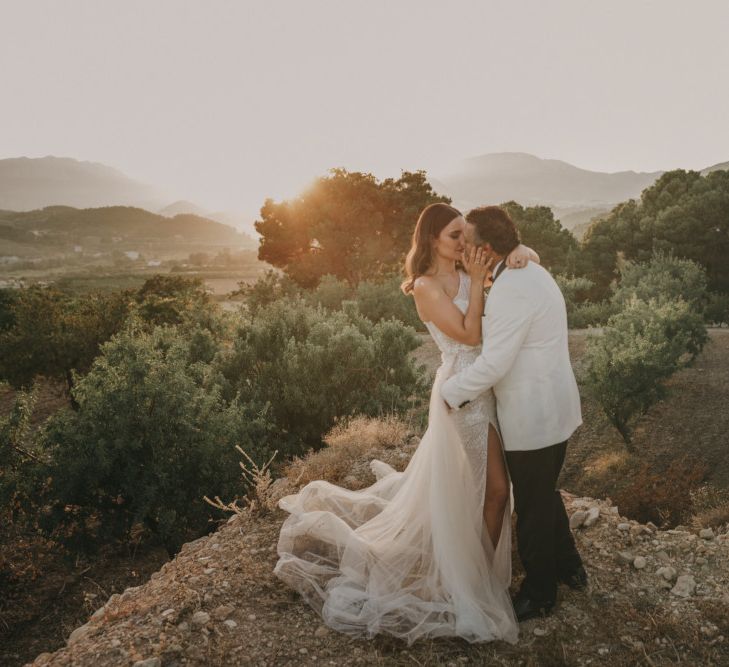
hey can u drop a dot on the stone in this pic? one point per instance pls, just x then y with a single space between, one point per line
625 557
200 618
639 563
667 572
115 643
321 631
577 519
78 633
685 586
230 623
98 613
251 617
593 514
706 534
624 527
540 632
149 662
222 612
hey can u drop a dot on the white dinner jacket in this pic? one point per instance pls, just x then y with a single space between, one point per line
525 358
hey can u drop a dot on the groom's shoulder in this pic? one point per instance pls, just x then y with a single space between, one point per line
531 274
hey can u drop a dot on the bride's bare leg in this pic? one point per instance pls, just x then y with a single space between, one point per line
497 487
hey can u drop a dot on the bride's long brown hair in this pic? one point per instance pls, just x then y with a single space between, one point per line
431 222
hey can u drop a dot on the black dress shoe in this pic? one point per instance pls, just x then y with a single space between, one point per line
576 580
526 608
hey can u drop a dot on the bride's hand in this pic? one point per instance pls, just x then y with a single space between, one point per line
476 265
519 257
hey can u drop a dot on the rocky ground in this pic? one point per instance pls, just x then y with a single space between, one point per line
655 597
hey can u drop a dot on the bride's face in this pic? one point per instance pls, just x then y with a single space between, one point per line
451 242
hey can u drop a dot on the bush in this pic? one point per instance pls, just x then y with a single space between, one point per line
664 497
314 367
384 300
642 346
717 309
272 286
664 277
151 437
582 313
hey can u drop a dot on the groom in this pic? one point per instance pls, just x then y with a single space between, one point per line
526 361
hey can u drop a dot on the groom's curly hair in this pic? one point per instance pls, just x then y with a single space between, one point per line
495 227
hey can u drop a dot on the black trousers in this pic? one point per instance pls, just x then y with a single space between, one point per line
544 540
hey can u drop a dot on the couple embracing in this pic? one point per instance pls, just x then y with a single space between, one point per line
427 552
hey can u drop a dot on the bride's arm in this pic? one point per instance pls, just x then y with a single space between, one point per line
435 306
521 256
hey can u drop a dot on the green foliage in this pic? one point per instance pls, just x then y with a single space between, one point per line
312 368
557 247
663 277
683 213
717 309
50 334
152 435
376 300
269 288
348 225
174 300
641 347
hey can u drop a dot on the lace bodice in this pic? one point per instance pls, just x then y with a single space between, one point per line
465 354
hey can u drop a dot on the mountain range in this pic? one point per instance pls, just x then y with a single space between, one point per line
575 195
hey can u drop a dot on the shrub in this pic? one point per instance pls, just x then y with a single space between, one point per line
663 278
717 309
272 286
582 313
151 437
642 346
664 497
314 367
384 300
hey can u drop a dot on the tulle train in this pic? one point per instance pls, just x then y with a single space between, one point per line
408 556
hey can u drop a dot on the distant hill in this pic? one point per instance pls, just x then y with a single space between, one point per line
241 222
530 180
181 206
61 227
34 183
722 166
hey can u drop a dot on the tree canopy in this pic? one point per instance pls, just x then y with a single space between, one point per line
348 224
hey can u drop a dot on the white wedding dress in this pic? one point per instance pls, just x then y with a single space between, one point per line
409 556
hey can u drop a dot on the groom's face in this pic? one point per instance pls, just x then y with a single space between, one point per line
472 241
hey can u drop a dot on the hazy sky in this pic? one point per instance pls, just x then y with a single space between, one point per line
227 102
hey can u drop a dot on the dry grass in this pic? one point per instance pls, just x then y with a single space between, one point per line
349 446
710 507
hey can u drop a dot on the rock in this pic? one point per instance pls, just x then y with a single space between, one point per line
685 586
78 633
115 643
200 618
593 514
639 563
321 631
251 617
230 623
624 527
222 612
625 557
663 557
667 572
184 626
540 632
577 519
706 534
98 613
303 650
149 662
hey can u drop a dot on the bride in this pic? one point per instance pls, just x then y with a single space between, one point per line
425 552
